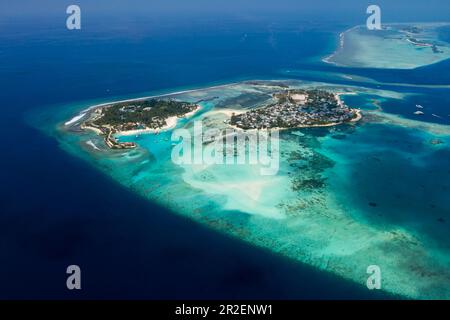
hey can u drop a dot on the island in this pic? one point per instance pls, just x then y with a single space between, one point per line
134 117
334 177
296 109
395 46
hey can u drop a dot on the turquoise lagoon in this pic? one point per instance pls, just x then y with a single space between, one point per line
346 197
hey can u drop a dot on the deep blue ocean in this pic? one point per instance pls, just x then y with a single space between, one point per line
56 210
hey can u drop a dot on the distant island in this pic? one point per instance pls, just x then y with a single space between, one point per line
298 108
396 46
134 117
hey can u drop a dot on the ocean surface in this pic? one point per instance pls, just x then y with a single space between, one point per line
58 209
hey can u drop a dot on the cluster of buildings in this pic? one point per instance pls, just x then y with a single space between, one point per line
297 108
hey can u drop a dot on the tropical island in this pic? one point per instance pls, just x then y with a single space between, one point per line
298 108
396 46
311 188
134 117
293 108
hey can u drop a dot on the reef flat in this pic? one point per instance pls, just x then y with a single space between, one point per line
396 46
345 197
133 117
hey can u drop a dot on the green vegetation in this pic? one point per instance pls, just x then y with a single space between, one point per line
134 115
139 114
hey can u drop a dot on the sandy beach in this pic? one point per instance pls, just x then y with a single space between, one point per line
358 116
328 58
190 114
190 91
171 123
96 130
75 119
227 112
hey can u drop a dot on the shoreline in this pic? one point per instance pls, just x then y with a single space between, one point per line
341 46
171 122
91 108
337 96
103 104
388 26
325 267
331 124
86 111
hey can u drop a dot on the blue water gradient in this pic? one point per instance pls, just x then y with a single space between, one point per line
57 210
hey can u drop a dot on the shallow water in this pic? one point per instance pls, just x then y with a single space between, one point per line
58 210
389 48
344 198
